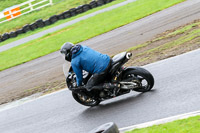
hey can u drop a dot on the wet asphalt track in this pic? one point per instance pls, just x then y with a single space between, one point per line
176 90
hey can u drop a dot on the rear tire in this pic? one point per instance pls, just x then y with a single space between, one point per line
85 100
140 74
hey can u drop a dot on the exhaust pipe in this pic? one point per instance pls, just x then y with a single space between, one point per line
128 85
111 85
128 55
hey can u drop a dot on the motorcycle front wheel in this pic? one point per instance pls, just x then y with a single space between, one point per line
85 100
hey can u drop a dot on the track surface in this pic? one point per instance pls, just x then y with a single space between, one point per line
176 91
49 68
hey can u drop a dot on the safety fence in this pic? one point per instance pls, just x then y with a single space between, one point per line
22 9
42 23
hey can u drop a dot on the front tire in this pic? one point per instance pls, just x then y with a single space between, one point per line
85 100
141 76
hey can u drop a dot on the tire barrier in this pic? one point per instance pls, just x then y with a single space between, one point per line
106 128
67 14
79 9
33 26
107 1
86 7
93 4
47 22
26 28
60 16
73 12
100 2
40 23
5 36
53 19
19 31
13 34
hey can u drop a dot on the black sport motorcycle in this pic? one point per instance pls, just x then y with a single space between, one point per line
120 80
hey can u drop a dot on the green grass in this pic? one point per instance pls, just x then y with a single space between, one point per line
182 30
58 23
190 125
182 40
82 31
177 42
190 35
138 46
179 31
44 13
168 44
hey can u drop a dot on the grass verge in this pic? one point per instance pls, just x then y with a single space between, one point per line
44 13
58 23
168 44
77 33
189 125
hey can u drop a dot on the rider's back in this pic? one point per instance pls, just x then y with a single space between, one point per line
90 60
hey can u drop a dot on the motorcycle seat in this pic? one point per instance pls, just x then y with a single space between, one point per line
118 57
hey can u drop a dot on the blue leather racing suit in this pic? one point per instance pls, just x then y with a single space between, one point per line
85 58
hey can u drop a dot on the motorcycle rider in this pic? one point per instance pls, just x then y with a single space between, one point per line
85 58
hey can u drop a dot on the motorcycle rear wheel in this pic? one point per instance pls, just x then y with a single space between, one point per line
85 100
141 76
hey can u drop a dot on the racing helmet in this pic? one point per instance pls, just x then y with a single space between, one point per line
66 50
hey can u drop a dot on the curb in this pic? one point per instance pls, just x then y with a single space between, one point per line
160 121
